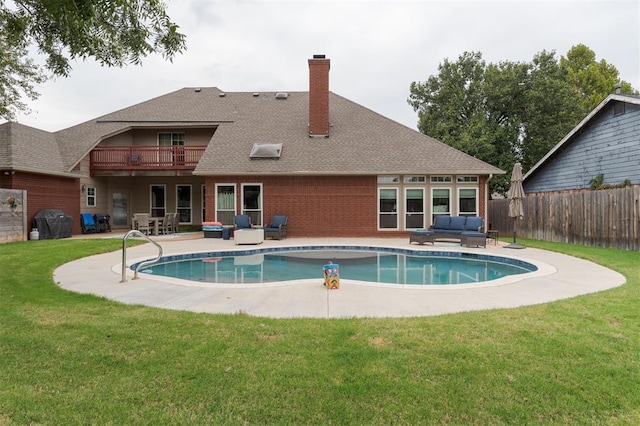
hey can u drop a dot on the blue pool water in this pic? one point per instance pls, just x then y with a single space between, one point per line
377 265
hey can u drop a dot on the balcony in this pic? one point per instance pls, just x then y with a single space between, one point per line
145 158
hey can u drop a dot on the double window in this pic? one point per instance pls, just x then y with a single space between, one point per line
251 202
184 199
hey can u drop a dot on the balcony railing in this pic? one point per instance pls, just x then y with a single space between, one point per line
179 157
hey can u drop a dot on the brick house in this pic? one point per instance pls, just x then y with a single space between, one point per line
332 166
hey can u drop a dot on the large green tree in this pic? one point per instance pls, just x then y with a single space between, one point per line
113 32
593 80
510 111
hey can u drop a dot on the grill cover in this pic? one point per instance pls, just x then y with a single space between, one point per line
53 224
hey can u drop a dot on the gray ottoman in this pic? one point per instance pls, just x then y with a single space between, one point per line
421 237
472 238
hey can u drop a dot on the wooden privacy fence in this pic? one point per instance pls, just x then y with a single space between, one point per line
13 215
604 218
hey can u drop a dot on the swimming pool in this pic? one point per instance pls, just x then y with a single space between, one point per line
365 264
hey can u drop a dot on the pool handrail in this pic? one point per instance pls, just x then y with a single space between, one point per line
141 264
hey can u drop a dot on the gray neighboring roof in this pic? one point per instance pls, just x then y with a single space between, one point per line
630 99
360 142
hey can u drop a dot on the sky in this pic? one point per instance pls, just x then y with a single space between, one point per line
377 49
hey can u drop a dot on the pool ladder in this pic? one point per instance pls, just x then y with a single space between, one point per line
141 264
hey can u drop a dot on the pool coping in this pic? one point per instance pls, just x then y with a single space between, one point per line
561 277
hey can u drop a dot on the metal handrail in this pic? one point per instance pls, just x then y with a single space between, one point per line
141 264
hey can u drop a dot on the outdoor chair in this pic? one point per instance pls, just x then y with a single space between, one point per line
142 222
167 224
242 221
277 229
175 221
88 223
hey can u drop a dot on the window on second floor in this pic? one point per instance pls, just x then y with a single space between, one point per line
171 139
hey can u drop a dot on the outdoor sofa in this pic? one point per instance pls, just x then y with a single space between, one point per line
452 227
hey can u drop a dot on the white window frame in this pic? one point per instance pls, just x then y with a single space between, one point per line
164 201
433 208
467 179
189 207
423 212
235 197
388 179
461 213
441 179
91 196
260 208
176 139
414 179
394 212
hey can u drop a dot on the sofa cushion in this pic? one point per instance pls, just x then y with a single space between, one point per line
442 222
457 223
473 223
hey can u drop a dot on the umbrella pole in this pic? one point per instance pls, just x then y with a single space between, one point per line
515 245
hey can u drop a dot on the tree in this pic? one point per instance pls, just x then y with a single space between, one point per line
113 32
592 80
510 111
451 106
550 109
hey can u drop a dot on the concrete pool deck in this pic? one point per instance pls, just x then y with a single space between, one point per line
559 277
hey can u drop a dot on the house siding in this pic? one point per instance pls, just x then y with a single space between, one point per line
608 145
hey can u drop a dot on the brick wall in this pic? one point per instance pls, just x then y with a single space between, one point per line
316 206
48 192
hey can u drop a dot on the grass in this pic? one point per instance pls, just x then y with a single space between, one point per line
67 358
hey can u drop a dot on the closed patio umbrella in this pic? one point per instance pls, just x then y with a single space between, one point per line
515 195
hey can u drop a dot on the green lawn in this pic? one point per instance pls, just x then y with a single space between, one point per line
67 358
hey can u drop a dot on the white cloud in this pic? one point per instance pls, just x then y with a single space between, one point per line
377 48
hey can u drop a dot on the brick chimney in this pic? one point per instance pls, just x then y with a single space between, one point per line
319 97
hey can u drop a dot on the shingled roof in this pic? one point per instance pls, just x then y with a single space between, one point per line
360 141
28 149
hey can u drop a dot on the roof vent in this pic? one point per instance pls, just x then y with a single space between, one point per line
197 90
266 150
222 94
256 94
319 57
282 95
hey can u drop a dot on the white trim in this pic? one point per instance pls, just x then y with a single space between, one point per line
260 202
396 212
435 213
164 191
424 206
235 198
94 196
476 213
